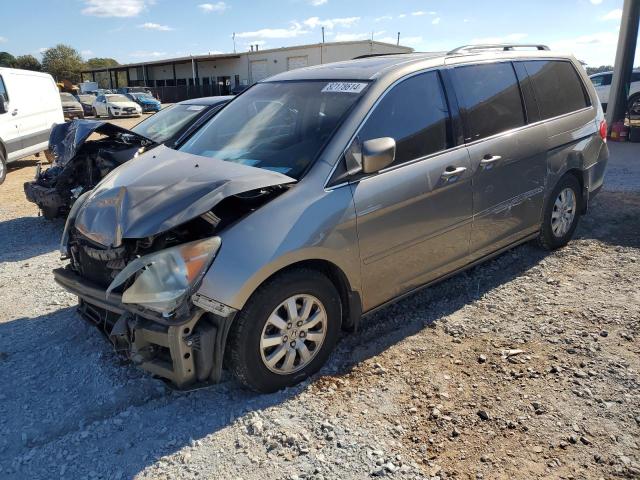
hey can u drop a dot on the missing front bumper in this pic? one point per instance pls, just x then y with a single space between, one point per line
187 351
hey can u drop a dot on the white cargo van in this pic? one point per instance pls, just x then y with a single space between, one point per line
29 107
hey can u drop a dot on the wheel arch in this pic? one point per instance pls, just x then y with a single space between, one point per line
349 298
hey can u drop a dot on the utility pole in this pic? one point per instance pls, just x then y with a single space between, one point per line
234 41
398 42
623 66
322 34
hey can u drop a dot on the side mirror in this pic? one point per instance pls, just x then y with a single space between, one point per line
377 154
4 104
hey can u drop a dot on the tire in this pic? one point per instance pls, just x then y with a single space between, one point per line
247 357
110 113
552 237
94 112
49 213
3 168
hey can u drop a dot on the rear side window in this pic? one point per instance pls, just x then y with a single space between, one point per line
490 99
557 87
415 114
3 90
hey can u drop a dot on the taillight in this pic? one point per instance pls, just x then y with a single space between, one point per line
603 130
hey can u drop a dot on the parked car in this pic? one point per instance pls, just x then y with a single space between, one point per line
125 90
323 193
115 105
29 107
146 101
79 163
71 107
602 83
86 101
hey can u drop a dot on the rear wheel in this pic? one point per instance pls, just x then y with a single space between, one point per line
286 331
3 168
561 214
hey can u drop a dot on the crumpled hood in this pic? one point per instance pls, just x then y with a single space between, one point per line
162 189
66 138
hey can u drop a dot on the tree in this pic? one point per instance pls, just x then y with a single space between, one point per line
96 63
63 62
28 62
6 59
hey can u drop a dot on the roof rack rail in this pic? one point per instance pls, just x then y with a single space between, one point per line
369 55
494 46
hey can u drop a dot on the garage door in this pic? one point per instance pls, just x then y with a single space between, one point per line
297 62
258 70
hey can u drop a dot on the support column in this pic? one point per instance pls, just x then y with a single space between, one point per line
175 79
623 67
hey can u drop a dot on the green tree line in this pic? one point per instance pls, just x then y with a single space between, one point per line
62 62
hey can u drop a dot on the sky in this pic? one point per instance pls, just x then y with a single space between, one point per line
136 30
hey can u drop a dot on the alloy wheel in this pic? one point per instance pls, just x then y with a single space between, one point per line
293 334
564 211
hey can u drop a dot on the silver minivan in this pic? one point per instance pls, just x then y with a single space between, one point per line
324 193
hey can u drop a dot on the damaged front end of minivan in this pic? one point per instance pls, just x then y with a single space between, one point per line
80 163
139 246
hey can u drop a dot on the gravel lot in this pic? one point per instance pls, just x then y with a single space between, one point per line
524 367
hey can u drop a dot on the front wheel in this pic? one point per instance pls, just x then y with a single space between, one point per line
94 112
110 113
286 331
561 214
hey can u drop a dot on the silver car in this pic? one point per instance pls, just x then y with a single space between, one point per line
324 193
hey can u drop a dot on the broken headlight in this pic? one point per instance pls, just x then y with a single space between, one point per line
167 276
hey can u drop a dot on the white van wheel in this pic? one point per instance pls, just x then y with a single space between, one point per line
3 168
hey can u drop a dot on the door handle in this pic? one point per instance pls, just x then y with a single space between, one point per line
15 112
489 159
453 172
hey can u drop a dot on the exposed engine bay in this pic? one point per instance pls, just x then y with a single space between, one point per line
80 163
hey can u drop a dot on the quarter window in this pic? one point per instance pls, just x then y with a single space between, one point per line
3 90
557 87
490 99
414 113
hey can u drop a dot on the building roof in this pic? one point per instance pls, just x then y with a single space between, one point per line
223 56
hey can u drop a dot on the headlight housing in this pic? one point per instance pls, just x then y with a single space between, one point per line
167 276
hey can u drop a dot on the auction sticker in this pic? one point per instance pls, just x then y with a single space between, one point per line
344 87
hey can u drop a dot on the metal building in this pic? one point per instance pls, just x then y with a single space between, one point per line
220 74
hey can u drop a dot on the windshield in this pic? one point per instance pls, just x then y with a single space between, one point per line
168 121
117 98
67 97
279 126
87 98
